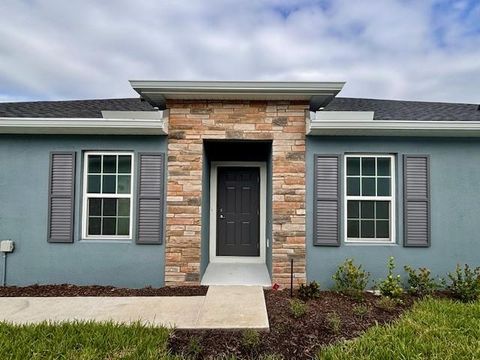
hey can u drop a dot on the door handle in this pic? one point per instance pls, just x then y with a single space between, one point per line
221 216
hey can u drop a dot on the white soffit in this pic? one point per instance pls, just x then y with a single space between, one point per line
112 123
361 123
157 92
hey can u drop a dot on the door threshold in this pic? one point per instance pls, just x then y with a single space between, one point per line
249 274
237 260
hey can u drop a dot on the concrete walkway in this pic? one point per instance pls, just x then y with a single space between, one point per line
224 307
233 307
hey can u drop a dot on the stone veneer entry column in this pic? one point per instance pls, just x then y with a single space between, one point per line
191 122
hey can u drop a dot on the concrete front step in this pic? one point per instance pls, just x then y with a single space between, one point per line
224 307
237 274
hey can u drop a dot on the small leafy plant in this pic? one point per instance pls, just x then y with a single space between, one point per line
194 348
309 291
250 339
334 322
420 281
361 310
387 303
465 283
298 308
351 279
391 286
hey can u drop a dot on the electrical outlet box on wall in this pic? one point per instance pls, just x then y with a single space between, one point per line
6 246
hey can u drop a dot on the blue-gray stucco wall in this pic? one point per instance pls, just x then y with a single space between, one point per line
24 171
455 207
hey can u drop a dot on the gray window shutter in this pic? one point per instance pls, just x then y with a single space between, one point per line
416 208
150 198
61 197
327 200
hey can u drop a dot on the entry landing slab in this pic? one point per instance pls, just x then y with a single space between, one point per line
237 274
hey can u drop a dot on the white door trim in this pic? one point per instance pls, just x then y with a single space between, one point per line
213 213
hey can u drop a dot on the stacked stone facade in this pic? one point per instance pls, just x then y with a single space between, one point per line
191 122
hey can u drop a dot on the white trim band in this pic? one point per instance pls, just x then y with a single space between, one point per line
331 126
213 213
139 125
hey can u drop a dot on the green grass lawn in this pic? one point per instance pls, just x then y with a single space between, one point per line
433 329
81 341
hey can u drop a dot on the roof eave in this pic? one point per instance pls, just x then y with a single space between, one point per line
393 128
318 94
120 125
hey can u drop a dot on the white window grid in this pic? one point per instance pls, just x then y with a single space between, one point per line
391 198
87 195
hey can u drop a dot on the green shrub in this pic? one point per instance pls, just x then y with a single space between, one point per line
420 281
334 322
194 348
351 279
250 339
298 308
465 284
309 291
361 310
391 286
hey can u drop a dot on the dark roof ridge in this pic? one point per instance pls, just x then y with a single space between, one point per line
138 98
383 109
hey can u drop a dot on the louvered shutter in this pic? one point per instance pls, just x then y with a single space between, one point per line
61 197
416 192
327 200
150 198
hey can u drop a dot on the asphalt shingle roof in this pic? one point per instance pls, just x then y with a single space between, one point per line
408 110
384 109
71 109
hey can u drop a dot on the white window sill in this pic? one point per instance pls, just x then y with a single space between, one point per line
106 241
350 243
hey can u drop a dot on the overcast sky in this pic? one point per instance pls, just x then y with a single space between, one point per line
397 49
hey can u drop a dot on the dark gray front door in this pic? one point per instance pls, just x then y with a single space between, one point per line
238 211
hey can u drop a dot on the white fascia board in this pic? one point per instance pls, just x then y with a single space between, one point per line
236 86
393 128
88 126
157 92
341 115
137 115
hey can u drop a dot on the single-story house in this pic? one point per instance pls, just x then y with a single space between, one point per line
205 182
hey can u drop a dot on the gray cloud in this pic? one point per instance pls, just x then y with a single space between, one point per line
405 49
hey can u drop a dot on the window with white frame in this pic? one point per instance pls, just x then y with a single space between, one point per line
370 200
107 197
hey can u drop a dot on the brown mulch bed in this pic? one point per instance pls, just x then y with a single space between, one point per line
289 337
96 290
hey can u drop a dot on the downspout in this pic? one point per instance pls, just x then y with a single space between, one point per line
4 277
